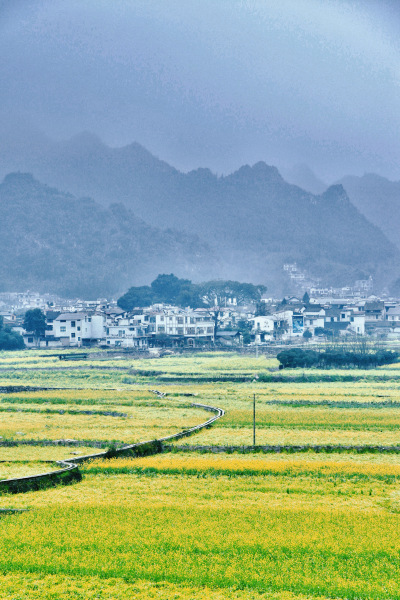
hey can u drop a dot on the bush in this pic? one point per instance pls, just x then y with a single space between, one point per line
10 340
337 358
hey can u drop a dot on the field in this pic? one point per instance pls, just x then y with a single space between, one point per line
190 523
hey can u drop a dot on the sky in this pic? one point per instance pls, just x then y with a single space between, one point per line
211 83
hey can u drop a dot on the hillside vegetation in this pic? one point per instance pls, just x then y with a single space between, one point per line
54 242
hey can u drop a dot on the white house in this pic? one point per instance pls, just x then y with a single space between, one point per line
76 329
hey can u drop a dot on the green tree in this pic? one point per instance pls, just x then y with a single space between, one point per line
307 335
35 322
10 340
136 297
168 288
217 292
306 298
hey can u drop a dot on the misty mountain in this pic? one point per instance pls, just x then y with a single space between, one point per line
253 219
53 241
379 200
302 176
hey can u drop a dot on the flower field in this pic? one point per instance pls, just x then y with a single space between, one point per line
188 525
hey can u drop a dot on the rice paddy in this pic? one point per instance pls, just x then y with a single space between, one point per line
188 524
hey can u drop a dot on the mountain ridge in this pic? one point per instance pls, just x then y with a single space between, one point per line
252 219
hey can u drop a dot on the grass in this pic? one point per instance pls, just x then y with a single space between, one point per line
13 469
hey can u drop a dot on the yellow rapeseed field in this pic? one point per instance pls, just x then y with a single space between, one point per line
191 526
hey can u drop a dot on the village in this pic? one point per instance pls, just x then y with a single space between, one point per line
102 323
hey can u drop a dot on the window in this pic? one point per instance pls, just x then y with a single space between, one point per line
210 329
73 323
78 328
72 335
180 330
90 319
190 330
30 340
121 332
63 329
161 329
79 339
180 320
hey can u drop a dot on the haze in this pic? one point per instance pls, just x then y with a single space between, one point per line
205 83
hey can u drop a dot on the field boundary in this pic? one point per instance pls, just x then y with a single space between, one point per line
70 467
288 449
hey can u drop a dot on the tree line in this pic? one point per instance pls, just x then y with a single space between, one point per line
169 289
335 358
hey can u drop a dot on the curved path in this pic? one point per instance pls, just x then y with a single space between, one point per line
70 467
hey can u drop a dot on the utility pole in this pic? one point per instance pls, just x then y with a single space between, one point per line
254 419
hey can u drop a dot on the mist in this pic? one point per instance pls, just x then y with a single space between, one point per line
213 84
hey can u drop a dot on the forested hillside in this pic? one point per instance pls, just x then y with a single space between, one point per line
52 241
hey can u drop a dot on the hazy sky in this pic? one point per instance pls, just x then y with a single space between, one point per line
211 83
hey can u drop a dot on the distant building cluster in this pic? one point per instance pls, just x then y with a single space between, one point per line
101 323
303 281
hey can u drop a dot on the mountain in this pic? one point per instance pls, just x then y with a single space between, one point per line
53 241
379 200
253 220
302 176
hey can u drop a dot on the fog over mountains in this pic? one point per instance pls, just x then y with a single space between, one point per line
147 217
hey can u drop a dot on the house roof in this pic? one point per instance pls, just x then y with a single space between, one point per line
333 312
71 316
337 325
394 311
116 310
375 305
52 314
227 333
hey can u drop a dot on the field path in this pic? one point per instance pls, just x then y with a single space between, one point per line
70 467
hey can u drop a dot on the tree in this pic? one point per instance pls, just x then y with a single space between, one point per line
262 309
168 288
35 322
218 291
136 297
10 340
306 298
307 335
